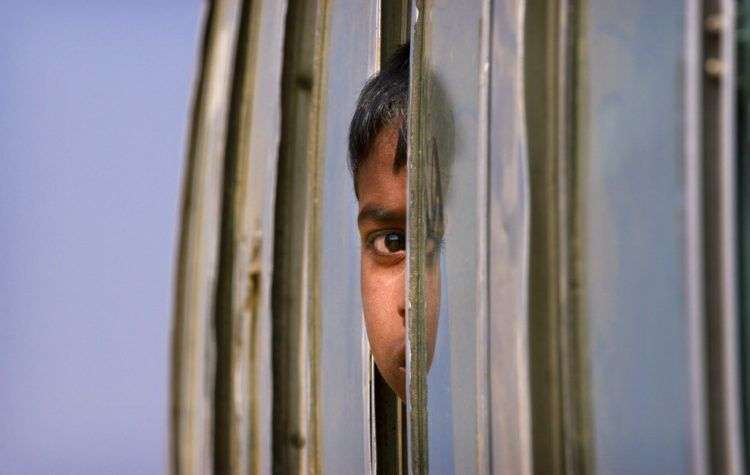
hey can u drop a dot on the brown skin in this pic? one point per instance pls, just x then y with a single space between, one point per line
382 228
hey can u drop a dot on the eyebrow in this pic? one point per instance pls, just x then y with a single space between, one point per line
376 213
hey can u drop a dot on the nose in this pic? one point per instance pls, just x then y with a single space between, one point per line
400 294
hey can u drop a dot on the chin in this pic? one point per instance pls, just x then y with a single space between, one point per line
398 384
396 380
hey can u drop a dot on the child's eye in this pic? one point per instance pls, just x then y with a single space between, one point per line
389 243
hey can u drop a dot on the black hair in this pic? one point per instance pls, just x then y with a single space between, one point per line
383 102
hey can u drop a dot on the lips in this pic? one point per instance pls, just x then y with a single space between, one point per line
401 358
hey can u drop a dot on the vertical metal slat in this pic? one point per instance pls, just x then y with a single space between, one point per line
416 308
193 350
720 223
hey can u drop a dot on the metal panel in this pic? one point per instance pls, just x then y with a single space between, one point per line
453 167
193 353
463 86
509 208
351 58
634 172
452 158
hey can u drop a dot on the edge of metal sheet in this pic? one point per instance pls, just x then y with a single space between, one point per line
483 449
416 312
694 232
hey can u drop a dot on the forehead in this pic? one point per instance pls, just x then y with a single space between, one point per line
378 181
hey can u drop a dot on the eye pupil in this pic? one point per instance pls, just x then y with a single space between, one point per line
394 242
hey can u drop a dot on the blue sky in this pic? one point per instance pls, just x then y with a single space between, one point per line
94 100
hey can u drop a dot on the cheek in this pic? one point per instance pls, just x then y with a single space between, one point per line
380 302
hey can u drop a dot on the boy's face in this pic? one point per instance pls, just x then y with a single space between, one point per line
382 227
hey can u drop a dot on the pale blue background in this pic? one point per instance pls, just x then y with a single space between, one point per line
94 100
